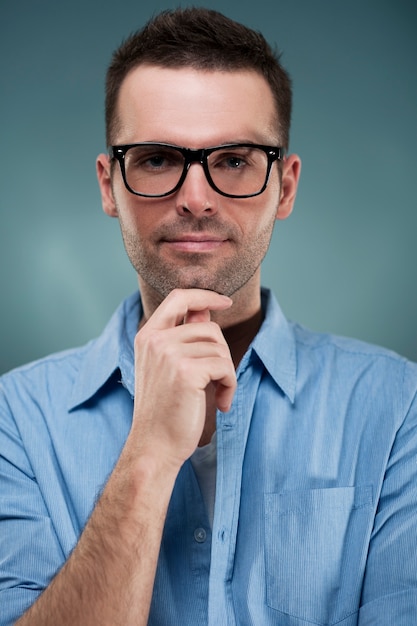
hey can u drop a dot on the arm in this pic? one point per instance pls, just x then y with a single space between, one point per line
109 577
389 594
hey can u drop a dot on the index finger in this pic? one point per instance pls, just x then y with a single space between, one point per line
180 302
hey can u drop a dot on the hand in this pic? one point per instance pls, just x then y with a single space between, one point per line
178 353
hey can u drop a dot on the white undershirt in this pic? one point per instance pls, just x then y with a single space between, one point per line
204 463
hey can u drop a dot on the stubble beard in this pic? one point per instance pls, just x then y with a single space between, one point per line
199 272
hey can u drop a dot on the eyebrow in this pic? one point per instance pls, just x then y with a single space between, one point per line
229 142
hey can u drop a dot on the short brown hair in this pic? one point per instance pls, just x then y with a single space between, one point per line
204 40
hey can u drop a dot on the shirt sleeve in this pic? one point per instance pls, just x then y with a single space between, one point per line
30 553
389 593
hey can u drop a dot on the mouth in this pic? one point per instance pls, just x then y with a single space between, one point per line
195 242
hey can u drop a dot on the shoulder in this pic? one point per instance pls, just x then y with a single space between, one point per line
313 340
50 376
371 372
345 347
60 362
76 374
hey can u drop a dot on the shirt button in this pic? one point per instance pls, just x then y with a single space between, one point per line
200 535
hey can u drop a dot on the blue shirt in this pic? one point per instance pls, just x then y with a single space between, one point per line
315 519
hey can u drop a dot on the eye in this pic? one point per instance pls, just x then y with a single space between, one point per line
231 160
158 160
234 162
153 158
155 161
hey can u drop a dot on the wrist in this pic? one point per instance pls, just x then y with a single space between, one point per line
141 474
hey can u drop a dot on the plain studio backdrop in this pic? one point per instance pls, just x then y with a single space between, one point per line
345 261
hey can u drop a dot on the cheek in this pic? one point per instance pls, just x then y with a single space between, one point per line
273 190
262 215
132 212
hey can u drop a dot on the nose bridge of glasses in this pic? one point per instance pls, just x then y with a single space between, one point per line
199 157
194 156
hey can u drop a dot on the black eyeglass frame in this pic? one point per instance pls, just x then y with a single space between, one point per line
273 153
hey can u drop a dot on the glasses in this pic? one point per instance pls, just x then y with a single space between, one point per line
155 170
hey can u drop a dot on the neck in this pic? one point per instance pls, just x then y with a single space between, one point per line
240 335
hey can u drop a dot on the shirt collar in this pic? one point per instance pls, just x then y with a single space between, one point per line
275 345
113 351
109 353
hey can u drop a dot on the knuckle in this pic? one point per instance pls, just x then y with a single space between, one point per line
182 368
216 331
175 294
150 340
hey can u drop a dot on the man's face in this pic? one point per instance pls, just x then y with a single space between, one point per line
195 238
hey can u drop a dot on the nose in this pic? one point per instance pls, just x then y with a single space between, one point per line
195 194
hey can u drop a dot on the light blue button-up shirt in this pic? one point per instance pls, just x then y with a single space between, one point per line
315 518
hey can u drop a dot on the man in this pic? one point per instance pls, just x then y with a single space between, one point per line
218 465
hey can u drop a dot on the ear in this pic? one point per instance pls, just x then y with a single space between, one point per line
290 176
103 168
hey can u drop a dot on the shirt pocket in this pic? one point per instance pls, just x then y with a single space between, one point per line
316 543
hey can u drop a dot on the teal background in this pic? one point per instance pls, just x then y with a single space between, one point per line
345 261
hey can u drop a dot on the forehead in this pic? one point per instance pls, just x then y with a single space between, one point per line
195 108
